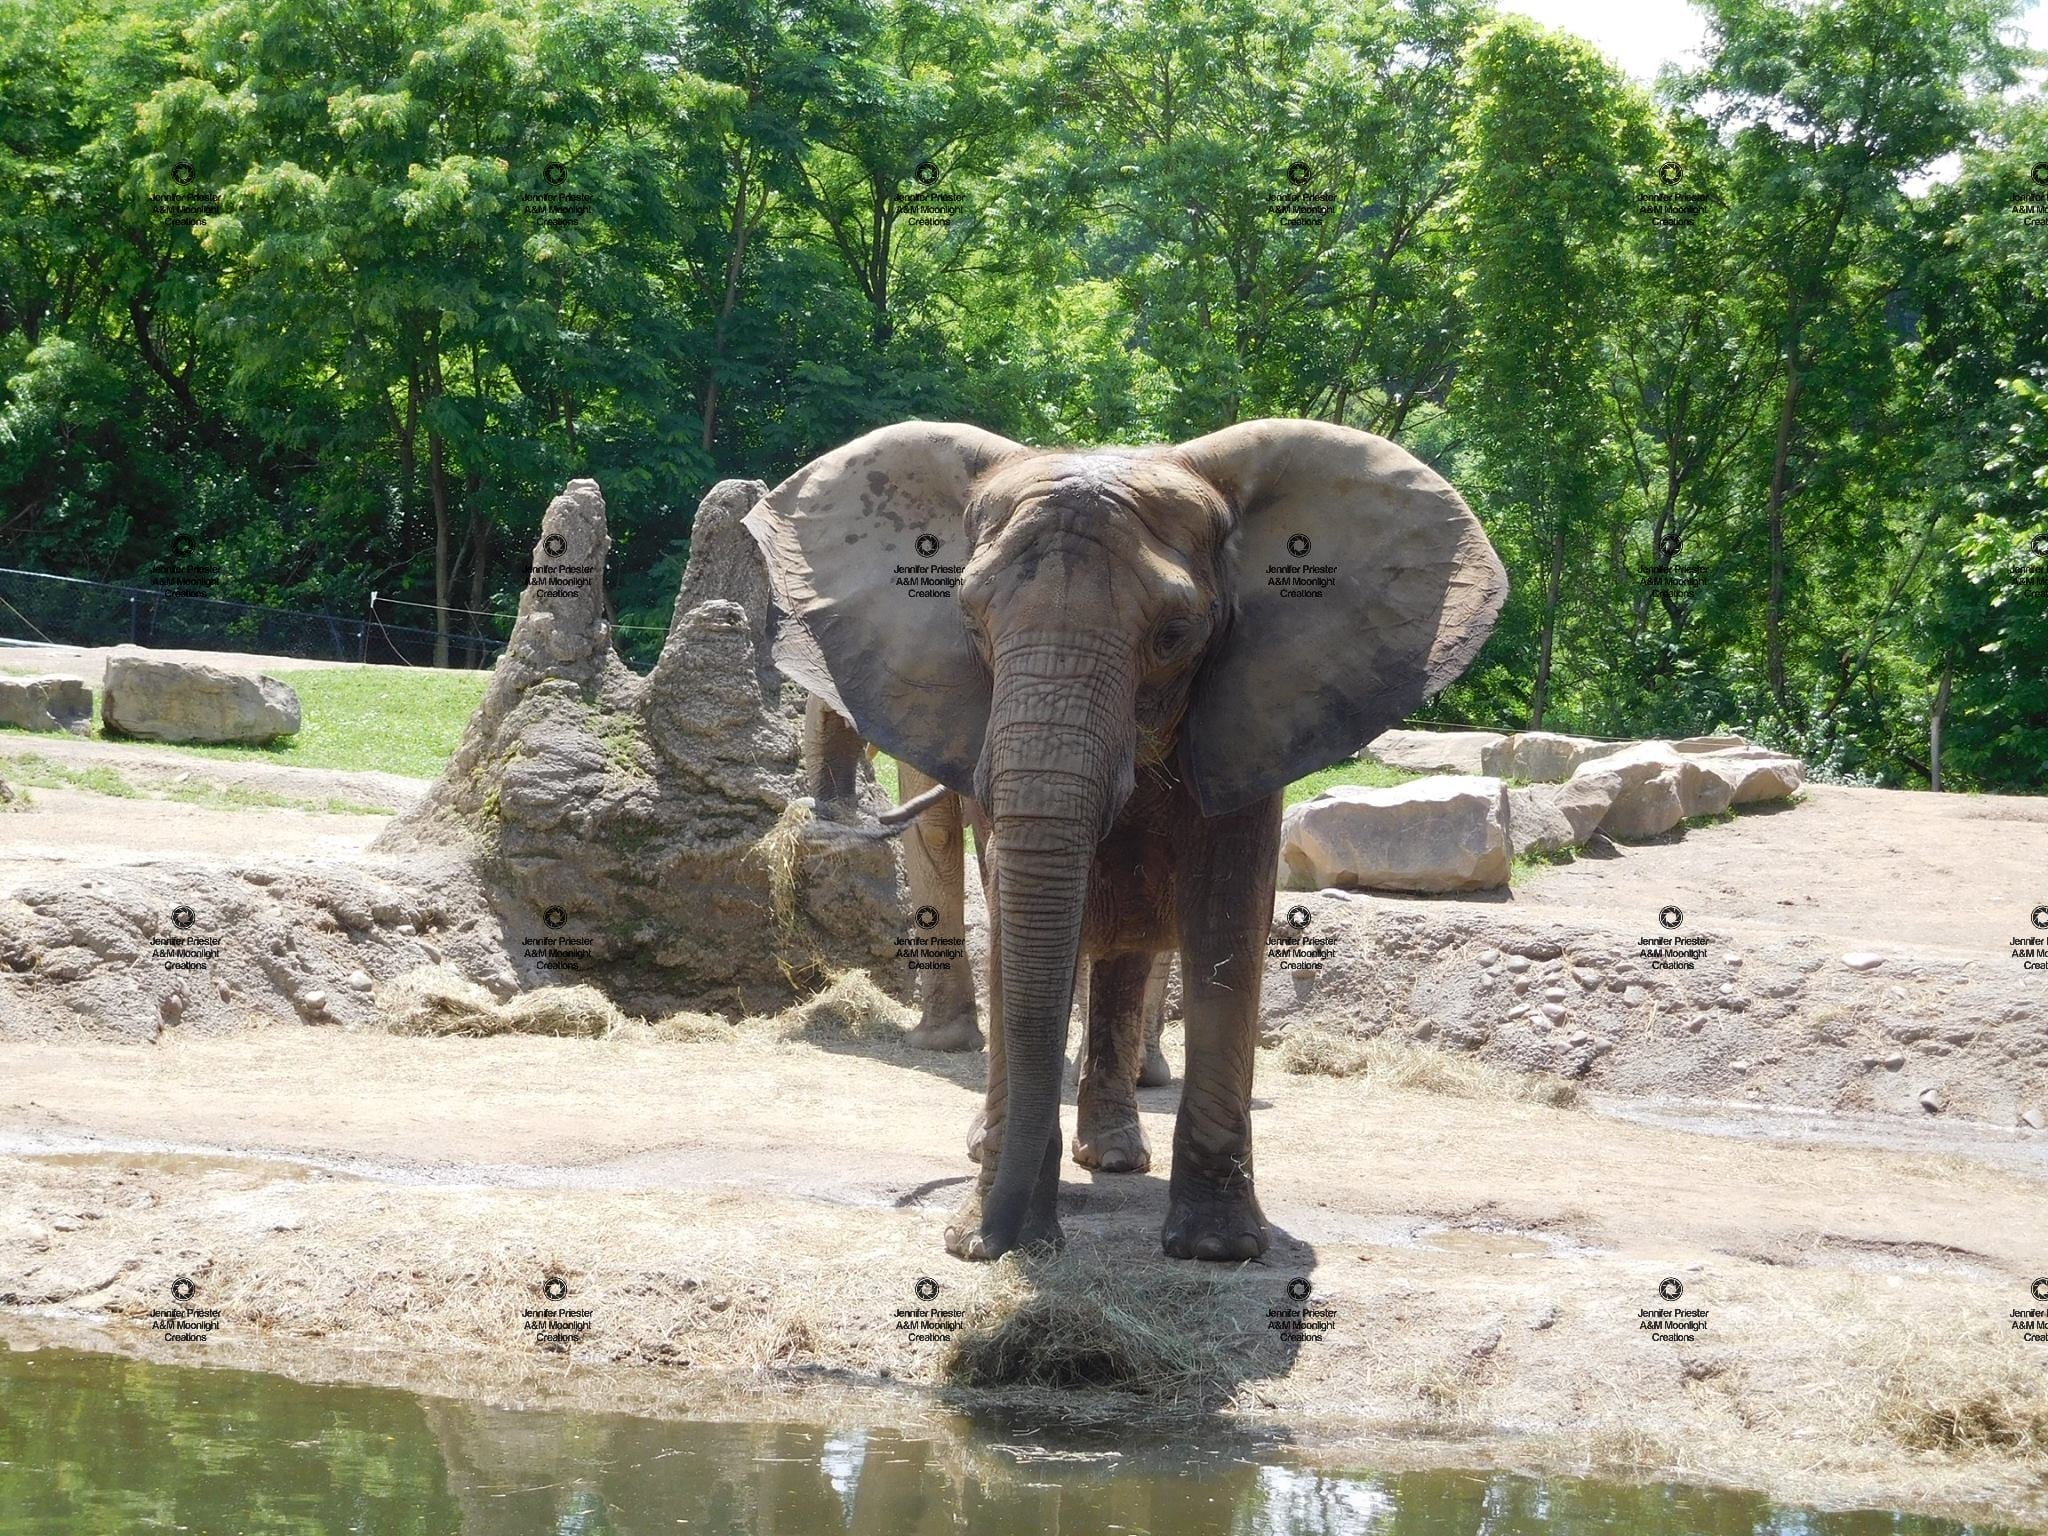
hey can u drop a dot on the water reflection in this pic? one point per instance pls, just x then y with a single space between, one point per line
94 1444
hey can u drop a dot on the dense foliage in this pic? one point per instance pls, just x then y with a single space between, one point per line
1747 376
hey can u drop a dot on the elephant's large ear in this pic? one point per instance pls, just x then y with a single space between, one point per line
1363 585
857 622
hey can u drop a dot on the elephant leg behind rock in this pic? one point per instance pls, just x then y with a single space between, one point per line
935 860
832 751
1223 881
1107 1134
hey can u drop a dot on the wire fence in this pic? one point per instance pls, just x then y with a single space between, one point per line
66 610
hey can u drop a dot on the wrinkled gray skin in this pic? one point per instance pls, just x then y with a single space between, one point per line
1143 648
934 857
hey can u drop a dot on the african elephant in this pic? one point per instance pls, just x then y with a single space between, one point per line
1122 656
935 867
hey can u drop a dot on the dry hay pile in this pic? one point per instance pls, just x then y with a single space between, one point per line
1313 1051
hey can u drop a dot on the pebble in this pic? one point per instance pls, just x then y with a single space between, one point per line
1518 963
1893 1062
1932 1101
1727 989
360 980
1518 1010
171 1008
1488 956
1586 979
1521 983
1739 1066
1735 960
433 954
1555 994
1553 1011
1862 960
1578 1037
1634 995
1698 1023
314 1002
1544 1319
2032 1119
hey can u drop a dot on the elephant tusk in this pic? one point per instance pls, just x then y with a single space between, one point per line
904 814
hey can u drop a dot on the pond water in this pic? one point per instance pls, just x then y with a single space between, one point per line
93 1443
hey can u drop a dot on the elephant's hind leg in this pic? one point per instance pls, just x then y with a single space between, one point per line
1107 1134
934 857
1155 1071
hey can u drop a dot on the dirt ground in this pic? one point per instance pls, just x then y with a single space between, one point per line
757 1213
747 1216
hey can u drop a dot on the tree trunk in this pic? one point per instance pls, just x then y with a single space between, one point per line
1553 583
1774 516
1934 718
738 243
437 486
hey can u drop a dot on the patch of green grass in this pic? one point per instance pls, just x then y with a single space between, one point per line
1524 865
1366 772
44 774
405 720
98 779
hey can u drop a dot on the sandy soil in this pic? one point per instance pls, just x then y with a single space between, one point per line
1485 1263
1870 867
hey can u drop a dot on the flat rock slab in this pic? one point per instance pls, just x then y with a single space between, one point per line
46 704
153 699
1433 751
1446 833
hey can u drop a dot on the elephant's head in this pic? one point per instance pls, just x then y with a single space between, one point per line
1238 610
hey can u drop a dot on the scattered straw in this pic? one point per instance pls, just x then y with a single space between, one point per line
438 1000
1935 1397
1409 1068
1070 1323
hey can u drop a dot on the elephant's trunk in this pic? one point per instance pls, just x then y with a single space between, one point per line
1057 769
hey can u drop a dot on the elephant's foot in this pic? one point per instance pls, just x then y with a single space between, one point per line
968 1238
1109 1138
1210 1223
1155 1071
984 1145
947 1026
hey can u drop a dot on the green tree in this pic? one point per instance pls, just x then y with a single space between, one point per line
1550 142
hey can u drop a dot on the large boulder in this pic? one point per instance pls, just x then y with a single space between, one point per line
46 704
650 833
1542 757
154 699
1653 789
1432 751
1754 774
1447 833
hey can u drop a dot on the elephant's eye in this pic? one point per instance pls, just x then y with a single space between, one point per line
1171 638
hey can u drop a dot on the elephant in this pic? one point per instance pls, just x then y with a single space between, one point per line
935 869
1121 657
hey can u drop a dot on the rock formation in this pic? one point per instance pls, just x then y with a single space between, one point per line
46 704
154 699
647 835
1447 833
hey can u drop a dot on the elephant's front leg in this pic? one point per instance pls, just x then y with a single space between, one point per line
985 1135
1107 1133
1224 878
934 859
